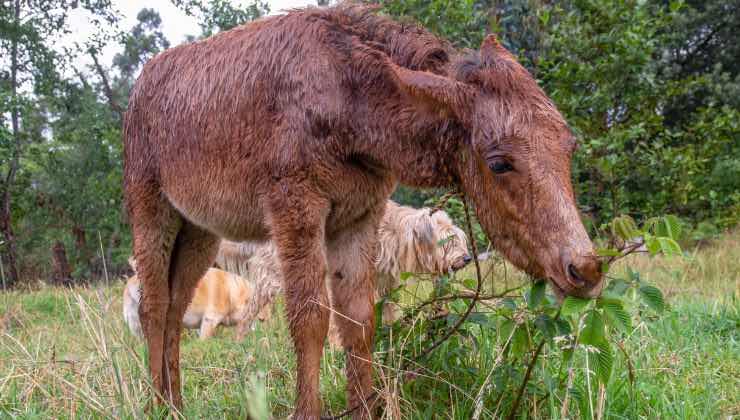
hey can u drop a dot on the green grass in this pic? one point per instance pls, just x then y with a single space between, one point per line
67 354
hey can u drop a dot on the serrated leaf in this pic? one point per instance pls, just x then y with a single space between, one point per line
546 325
536 294
653 297
673 224
563 327
572 305
519 342
607 252
593 329
653 245
625 227
602 361
479 318
470 284
577 394
616 316
443 241
668 227
505 329
669 246
650 224
617 287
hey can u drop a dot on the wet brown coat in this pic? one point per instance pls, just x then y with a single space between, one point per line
298 127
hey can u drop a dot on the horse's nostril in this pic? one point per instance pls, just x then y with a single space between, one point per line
575 276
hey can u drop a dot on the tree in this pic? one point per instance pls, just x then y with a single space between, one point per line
27 29
605 68
650 88
140 44
220 15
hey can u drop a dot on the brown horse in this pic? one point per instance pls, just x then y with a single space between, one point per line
297 128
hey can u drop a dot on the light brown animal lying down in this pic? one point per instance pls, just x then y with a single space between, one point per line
221 298
410 240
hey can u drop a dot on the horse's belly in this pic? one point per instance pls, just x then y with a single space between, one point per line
231 213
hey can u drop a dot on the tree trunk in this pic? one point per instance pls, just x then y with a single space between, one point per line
10 255
117 109
83 253
62 271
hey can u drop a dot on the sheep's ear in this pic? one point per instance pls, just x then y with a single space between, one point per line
424 231
441 94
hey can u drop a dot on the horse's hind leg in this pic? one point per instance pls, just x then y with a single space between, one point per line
194 251
155 225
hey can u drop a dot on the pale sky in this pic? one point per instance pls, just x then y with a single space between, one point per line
175 23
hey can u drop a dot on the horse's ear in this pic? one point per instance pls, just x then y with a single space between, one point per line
490 48
492 52
441 94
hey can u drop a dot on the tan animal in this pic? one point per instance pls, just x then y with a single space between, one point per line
410 240
416 241
297 128
220 298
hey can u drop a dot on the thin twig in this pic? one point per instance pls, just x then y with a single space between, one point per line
454 329
630 367
475 297
528 373
626 251
102 256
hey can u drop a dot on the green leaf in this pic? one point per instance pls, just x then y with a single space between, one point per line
536 294
616 316
653 297
668 227
625 227
563 327
634 276
405 276
673 224
602 361
443 241
573 305
509 303
505 329
546 325
479 318
650 224
520 341
617 287
607 252
470 284
669 246
653 245
593 329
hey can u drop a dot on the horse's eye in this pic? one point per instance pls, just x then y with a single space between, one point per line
500 166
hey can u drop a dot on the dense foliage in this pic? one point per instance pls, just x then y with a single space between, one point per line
61 213
650 87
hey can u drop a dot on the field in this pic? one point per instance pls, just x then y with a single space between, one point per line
66 354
